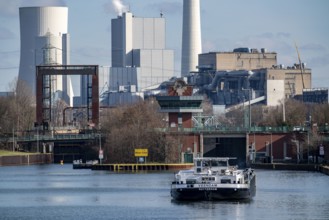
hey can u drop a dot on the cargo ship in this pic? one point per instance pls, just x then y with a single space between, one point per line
214 179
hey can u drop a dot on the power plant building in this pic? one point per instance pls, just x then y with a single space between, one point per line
295 78
139 54
238 59
315 95
45 41
140 59
248 76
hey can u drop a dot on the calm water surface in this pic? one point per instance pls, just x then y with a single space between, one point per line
59 192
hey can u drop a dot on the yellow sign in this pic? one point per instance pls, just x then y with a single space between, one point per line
141 152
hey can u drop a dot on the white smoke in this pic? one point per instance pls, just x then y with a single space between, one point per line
119 7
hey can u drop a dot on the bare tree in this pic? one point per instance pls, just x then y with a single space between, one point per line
135 126
20 107
315 140
207 106
173 148
320 114
57 112
5 115
236 117
17 112
295 114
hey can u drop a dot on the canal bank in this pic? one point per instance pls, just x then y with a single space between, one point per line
134 167
25 159
164 166
179 166
324 169
298 167
286 166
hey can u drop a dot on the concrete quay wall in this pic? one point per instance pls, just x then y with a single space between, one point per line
139 167
301 167
163 166
284 166
28 159
324 169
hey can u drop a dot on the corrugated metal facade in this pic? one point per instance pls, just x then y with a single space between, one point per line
139 56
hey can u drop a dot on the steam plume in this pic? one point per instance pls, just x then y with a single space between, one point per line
119 7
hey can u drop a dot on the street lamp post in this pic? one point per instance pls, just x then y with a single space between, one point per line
271 144
249 102
271 149
100 149
13 138
38 138
249 91
14 123
100 154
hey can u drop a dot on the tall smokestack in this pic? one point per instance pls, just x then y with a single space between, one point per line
191 40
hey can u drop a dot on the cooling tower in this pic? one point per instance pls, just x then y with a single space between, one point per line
191 40
44 41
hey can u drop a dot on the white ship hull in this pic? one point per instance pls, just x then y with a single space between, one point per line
214 191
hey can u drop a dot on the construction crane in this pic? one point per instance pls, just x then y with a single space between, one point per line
301 66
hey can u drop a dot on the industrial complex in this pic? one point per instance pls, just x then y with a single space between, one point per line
142 66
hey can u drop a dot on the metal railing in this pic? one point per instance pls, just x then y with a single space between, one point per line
225 129
218 128
34 137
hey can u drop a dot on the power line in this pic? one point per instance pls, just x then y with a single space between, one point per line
13 51
8 68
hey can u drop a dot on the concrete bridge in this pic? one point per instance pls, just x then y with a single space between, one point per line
64 147
264 143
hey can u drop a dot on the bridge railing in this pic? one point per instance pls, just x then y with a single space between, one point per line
56 137
217 128
225 129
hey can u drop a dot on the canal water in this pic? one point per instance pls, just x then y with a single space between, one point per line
59 192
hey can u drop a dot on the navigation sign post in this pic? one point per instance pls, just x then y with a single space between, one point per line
141 153
100 156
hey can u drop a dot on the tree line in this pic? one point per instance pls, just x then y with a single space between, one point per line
137 126
17 109
290 113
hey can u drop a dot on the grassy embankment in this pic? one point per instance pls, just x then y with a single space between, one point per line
13 153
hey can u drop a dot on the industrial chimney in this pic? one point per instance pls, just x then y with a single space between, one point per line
191 40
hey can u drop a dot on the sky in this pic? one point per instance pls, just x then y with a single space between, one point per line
276 25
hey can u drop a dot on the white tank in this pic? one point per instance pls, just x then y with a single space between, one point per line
38 26
191 39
